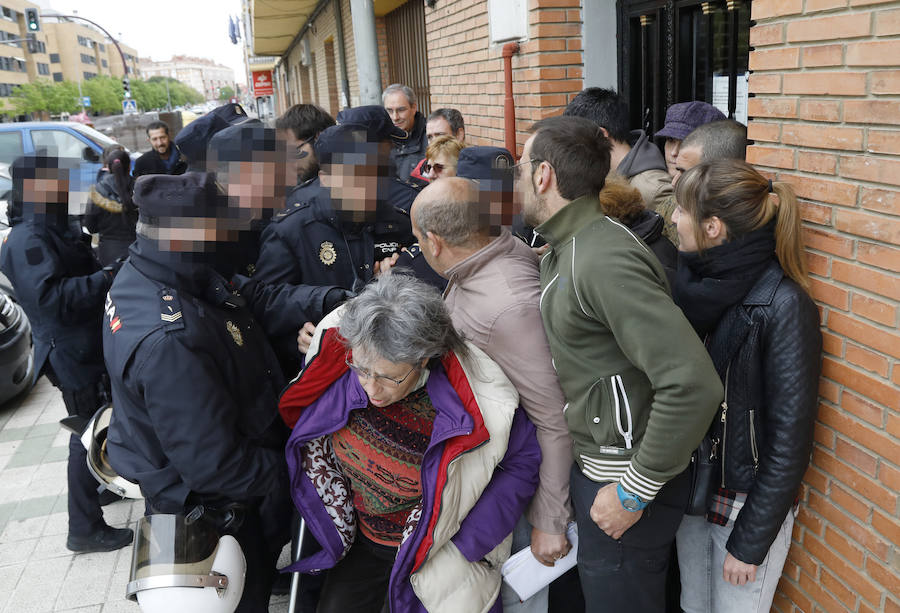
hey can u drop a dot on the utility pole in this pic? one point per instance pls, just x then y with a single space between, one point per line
168 97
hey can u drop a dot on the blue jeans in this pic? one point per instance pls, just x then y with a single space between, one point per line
701 555
628 574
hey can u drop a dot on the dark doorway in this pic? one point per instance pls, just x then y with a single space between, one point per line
407 57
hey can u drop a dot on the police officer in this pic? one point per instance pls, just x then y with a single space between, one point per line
61 287
194 380
354 216
193 140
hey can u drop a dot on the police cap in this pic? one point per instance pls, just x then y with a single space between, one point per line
375 120
484 163
158 197
194 138
239 143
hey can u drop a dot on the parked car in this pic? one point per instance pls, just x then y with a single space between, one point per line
81 145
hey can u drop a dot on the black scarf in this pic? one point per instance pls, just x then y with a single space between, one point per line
707 283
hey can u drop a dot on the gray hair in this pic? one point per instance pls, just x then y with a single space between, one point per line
452 116
725 139
399 87
450 208
400 319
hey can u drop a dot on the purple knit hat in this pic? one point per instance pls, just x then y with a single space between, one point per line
684 117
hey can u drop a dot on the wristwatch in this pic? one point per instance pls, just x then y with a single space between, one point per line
630 502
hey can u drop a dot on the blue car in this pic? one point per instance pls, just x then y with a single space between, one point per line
76 144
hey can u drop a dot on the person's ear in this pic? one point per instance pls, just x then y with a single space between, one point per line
435 244
714 230
545 175
605 131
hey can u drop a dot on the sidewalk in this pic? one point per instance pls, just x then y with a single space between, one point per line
37 572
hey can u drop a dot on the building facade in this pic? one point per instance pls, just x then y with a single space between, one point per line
20 62
79 52
204 75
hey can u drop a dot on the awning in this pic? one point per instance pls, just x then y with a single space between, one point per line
277 22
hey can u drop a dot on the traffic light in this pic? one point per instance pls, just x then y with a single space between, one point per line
32 20
126 85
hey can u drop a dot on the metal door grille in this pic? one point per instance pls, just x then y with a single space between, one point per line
407 56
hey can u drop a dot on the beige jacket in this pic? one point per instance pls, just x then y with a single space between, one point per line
493 297
655 186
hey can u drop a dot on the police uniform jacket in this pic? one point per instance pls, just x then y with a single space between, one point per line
195 386
61 288
308 246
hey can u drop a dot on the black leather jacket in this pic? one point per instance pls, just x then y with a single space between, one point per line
770 347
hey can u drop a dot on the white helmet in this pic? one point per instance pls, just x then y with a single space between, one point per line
184 566
94 440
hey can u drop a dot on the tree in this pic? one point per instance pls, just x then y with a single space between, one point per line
179 93
226 93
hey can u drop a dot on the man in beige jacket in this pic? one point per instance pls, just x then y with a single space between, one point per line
493 295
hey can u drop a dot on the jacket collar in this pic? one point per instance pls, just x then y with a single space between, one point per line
763 291
569 220
472 265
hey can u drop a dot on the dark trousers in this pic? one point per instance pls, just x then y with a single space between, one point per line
628 574
359 582
85 515
261 558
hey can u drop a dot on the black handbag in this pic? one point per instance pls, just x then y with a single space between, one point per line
703 466
703 473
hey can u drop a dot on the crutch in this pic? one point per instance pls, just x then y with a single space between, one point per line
295 580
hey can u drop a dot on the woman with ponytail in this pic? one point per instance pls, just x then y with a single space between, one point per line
741 281
112 213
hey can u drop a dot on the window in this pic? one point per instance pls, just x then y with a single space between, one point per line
101 46
58 143
8 13
20 66
5 63
43 69
680 51
89 75
10 146
58 77
88 59
54 58
104 63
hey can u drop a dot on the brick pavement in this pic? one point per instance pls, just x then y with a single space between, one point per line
37 572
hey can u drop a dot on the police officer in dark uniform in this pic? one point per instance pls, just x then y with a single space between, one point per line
61 288
340 226
195 383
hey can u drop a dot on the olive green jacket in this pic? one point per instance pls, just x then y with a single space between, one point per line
640 387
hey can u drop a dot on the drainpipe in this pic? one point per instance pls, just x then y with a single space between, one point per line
509 105
342 53
366 44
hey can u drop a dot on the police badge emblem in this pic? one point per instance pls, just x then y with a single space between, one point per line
327 254
235 333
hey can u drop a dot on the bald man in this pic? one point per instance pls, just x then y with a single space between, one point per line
493 295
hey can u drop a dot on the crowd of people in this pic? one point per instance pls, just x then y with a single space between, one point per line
438 353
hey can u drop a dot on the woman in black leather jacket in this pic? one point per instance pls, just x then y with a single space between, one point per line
741 281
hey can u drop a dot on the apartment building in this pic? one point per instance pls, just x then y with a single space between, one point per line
204 75
20 62
79 52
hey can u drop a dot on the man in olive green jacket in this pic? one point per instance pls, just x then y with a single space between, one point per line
641 389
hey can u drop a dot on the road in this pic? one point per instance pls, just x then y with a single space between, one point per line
37 572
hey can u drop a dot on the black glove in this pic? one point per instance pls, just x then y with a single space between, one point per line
335 298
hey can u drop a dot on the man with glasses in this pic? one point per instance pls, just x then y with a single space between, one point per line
640 387
401 104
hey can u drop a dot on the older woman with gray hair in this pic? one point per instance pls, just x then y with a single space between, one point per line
408 458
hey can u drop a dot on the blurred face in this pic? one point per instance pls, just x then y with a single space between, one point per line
159 140
687 158
50 186
384 382
439 127
353 181
402 113
442 165
257 187
305 165
671 148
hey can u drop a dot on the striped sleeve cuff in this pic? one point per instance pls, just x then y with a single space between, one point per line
636 483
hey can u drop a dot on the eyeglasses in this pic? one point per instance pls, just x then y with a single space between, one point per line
300 153
426 167
515 167
380 379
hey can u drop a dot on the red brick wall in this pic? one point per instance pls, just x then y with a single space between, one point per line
826 75
466 71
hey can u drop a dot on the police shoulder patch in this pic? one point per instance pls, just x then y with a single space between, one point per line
169 306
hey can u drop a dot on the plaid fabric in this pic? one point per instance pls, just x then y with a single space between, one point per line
725 506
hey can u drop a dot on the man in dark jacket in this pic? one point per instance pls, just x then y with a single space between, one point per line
194 381
61 287
163 158
326 247
409 146
299 126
